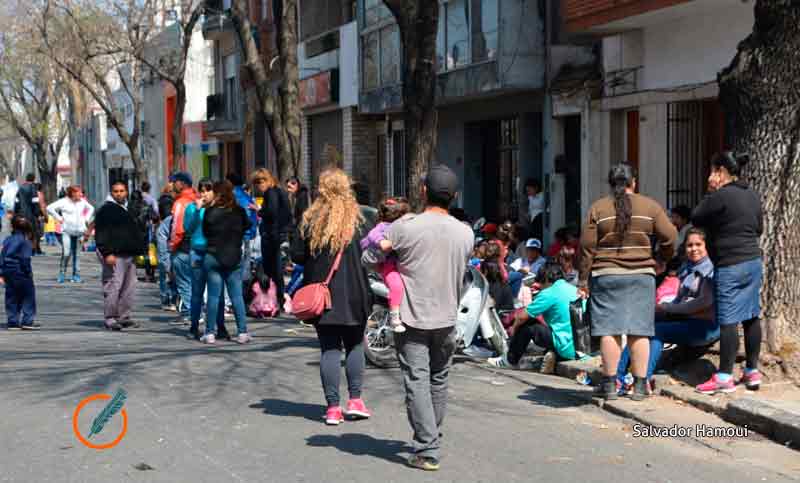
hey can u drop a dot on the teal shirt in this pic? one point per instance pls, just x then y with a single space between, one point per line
553 304
193 224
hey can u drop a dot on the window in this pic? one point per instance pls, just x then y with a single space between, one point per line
375 12
320 16
468 31
380 46
371 74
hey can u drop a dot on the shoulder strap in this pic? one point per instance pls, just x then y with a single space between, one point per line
334 267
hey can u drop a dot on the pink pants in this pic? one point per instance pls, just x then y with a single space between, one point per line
394 282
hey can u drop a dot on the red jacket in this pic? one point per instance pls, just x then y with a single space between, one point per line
178 240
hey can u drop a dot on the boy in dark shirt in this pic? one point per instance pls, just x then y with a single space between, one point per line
17 275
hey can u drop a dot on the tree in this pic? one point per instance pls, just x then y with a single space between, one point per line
760 93
32 101
170 63
99 44
418 21
276 80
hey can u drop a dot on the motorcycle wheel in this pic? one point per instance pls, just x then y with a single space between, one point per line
379 341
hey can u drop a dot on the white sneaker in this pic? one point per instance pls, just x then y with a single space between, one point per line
548 363
243 338
500 362
208 339
399 329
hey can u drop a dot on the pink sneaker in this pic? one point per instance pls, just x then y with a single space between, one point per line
356 409
751 381
333 416
714 385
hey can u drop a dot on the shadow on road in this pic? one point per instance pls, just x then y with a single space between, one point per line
281 407
362 445
555 397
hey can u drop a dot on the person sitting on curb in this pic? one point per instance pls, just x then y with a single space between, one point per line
555 335
687 320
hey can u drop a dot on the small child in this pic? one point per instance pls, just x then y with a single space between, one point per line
390 210
17 275
668 289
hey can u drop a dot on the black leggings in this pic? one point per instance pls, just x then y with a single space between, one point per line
729 344
540 334
331 340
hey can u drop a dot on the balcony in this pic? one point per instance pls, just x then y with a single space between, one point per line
217 25
223 115
613 16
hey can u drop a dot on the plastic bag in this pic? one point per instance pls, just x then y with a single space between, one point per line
264 304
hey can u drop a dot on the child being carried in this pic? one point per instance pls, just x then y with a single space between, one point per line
390 210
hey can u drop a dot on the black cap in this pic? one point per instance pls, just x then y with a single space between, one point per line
442 181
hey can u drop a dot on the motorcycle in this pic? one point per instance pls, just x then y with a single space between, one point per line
475 313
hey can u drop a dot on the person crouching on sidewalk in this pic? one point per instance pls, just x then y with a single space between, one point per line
17 275
119 240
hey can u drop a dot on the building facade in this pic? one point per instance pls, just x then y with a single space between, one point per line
657 106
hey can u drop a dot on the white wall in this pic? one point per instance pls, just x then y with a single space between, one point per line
693 49
199 71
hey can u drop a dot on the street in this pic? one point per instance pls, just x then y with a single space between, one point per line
253 413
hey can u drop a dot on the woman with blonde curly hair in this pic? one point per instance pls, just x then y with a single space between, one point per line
333 225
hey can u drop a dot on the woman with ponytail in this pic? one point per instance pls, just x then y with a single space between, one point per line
618 274
733 219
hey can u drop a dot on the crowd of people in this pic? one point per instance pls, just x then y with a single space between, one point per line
213 241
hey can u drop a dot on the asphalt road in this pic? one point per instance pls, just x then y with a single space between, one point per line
253 413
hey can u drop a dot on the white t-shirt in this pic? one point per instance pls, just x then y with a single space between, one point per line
535 205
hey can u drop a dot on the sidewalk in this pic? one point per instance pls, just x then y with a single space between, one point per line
774 411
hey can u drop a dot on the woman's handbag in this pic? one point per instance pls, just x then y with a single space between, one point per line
314 299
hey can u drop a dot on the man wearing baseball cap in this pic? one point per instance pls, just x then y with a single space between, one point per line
432 250
179 243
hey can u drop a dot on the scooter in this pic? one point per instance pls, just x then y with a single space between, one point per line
475 313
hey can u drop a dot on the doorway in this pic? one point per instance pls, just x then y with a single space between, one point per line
497 144
571 170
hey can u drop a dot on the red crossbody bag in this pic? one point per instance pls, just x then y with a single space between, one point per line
314 299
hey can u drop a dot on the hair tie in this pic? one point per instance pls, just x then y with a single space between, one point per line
390 202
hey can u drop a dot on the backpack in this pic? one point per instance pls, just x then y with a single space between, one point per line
581 328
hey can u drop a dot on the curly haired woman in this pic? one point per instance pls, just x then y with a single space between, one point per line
332 225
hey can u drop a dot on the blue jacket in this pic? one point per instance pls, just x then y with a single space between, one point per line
193 225
244 200
162 243
15 258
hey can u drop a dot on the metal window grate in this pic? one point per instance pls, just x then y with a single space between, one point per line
685 163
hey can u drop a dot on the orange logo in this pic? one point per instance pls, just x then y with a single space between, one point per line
85 441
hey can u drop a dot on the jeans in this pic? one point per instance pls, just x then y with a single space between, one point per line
332 338
688 332
295 281
182 268
217 277
20 298
166 287
70 245
540 334
515 281
271 260
425 358
199 281
119 287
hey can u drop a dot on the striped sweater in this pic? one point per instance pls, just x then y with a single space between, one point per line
603 251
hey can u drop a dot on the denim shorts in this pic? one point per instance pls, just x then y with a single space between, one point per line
737 291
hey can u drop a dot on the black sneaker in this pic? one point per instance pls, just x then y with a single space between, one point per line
129 324
194 333
14 327
31 326
423 463
115 326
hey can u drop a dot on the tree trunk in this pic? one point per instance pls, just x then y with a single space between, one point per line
177 125
280 107
45 169
418 21
759 94
288 92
